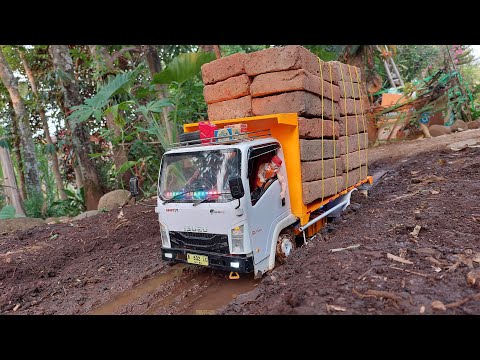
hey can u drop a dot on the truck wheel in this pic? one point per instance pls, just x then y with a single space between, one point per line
285 245
195 135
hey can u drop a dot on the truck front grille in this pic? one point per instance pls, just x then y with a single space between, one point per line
199 241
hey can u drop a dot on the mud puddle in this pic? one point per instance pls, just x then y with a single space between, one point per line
115 305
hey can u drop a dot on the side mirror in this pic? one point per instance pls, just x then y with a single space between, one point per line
134 186
236 187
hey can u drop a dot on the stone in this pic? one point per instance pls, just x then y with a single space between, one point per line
231 109
349 89
231 88
293 80
354 160
86 214
354 176
353 143
459 125
314 128
311 150
473 125
352 124
438 130
319 189
334 71
303 103
312 170
349 106
113 199
282 58
223 68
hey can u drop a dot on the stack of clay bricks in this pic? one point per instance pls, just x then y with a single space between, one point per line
353 123
291 79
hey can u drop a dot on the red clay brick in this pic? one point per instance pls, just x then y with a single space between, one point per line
312 170
350 127
354 176
223 68
312 128
292 80
281 58
336 74
353 106
301 102
353 141
355 159
350 90
232 88
314 190
311 150
231 109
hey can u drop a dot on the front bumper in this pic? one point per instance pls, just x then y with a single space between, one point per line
215 261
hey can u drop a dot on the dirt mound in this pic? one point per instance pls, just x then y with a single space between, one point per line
10 225
68 268
417 231
418 236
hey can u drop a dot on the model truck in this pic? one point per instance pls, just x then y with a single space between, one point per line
211 211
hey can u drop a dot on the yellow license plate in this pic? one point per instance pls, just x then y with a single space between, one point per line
197 259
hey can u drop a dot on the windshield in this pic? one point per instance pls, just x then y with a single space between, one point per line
199 175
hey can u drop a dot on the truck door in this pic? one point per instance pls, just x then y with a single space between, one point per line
264 207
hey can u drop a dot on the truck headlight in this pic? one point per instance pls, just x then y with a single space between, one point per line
237 239
164 236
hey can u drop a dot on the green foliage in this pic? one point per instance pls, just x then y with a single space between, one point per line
325 52
7 212
4 144
233 49
418 61
33 205
183 67
191 105
73 206
92 107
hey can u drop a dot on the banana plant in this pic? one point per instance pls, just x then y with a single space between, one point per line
182 68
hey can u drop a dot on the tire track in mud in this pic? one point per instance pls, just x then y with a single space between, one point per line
181 289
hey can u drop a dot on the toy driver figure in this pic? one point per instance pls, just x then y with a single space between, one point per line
269 170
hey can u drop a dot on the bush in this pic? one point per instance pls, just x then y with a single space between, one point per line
34 205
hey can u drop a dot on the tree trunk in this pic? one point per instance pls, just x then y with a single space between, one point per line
53 155
155 66
75 165
16 152
81 143
212 48
11 189
78 174
32 178
119 154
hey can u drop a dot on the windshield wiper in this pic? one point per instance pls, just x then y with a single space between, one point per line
176 196
201 201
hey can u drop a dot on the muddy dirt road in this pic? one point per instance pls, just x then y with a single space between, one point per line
109 264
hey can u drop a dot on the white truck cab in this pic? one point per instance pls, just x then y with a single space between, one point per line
202 221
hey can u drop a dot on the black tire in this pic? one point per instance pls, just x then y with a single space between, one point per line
190 136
